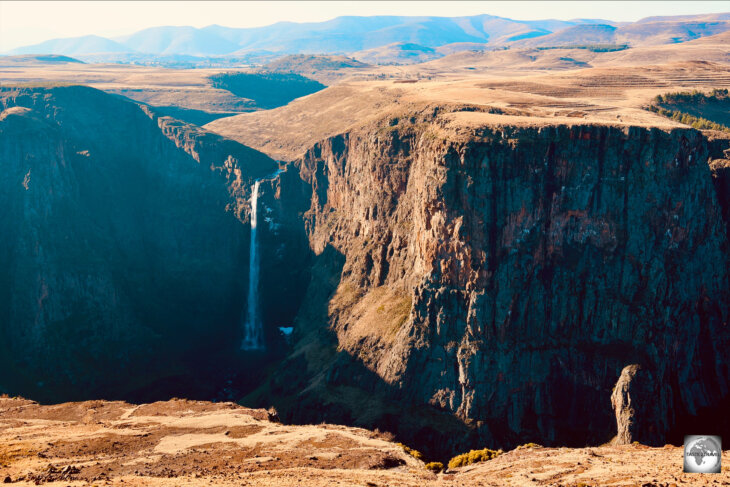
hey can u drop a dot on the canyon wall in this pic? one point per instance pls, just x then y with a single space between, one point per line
486 286
459 284
123 246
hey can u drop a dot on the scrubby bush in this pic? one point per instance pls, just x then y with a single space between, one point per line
474 456
383 435
435 466
414 453
695 96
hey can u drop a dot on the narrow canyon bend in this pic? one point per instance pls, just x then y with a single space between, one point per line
455 274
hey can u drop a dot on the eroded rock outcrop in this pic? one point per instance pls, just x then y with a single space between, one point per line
639 401
494 281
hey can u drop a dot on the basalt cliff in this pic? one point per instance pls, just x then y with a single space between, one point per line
488 285
457 284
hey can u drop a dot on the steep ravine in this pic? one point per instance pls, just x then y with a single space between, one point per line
487 287
460 285
123 249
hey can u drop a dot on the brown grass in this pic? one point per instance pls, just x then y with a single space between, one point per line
378 313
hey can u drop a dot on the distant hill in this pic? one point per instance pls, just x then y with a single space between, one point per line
578 34
73 46
307 63
179 40
398 53
669 32
24 60
686 18
346 35
339 35
642 33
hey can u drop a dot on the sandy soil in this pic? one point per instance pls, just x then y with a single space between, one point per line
186 443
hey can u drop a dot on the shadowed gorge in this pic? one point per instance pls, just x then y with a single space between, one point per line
492 281
268 90
124 248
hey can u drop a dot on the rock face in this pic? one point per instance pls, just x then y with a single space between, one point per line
123 245
721 179
494 282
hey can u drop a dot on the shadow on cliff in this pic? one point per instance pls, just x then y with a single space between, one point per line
319 382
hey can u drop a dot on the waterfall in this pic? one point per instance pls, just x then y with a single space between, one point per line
252 329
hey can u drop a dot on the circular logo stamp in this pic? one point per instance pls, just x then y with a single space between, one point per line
702 454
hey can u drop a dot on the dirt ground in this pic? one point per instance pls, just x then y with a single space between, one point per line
191 443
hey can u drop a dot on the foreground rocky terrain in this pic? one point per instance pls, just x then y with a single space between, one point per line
187 443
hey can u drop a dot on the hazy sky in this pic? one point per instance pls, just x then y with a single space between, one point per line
23 23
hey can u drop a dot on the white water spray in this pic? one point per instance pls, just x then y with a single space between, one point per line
252 330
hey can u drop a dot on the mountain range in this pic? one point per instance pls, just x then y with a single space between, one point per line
351 34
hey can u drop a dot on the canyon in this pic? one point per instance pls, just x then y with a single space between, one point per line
450 258
491 279
121 235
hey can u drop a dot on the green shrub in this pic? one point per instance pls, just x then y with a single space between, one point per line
435 466
692 97
474 456
687 119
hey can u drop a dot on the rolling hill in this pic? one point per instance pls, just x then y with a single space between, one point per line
26 60
398 53
347 35
642 33
73 46
179 40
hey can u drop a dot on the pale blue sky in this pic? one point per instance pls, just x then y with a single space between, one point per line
23 23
